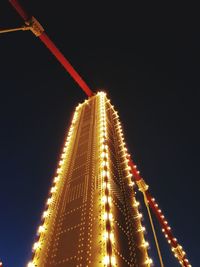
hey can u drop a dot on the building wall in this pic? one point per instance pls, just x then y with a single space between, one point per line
91 216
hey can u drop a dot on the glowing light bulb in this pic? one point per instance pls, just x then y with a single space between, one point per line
53 189
149 261
145 244
106 260
105 235
131 183
103 147
104 199
56 179
105 216
63 155
45 213
49 201
140 215
104 163
41 229
109 200
108 186
113 260
30 264
110 216
102 140
103 154
61 162
36 245
59 170
142 229
112 237
136 204
104 173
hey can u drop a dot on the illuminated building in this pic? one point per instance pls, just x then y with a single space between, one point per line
91 216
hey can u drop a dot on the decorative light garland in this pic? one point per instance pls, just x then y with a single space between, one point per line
57 181
109 259
145 244
176 248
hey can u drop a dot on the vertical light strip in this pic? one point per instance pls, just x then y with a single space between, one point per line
148 261
53 194
108 235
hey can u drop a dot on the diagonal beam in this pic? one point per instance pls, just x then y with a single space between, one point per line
37 29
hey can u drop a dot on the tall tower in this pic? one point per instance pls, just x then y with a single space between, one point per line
91 217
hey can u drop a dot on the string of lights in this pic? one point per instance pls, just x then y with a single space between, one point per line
144 244
109 259
176 248
53 196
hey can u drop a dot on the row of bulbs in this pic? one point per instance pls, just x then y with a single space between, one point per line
109 259
43 227
125 155
175 247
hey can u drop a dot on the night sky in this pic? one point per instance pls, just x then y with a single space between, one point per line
147 58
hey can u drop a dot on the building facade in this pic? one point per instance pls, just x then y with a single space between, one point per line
91 217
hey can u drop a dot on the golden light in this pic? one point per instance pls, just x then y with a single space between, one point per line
45 213
49 201
149 261
112 237
105 235
30 264
41 229
36 245
145 244
56 179
106 260
113 260
53 189
104 199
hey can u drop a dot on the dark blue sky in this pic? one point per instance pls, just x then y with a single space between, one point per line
147 59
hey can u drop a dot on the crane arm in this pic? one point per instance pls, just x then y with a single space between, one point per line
38 30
